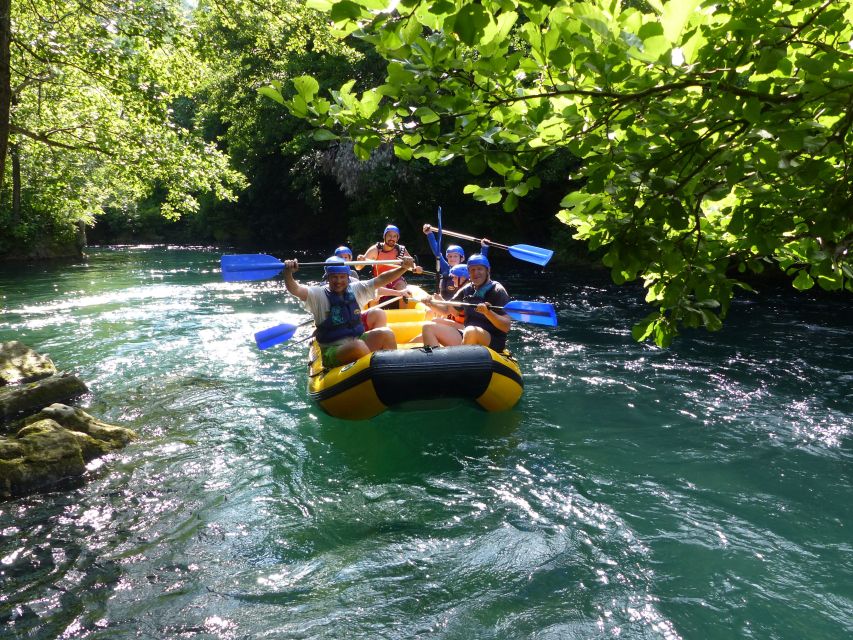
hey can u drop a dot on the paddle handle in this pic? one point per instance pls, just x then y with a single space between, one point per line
462 236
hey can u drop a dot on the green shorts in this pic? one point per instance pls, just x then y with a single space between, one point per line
329 353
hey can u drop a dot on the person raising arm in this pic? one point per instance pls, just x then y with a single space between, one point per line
336 307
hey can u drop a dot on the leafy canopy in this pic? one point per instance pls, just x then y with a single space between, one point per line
715 134
95 85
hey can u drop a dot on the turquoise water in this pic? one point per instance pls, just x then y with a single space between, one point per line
698 492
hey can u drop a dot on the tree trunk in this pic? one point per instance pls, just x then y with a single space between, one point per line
5 81
16 184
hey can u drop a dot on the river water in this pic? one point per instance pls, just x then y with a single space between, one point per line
702 491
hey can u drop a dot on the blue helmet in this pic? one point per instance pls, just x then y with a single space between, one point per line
480 260
340 251
335 265
455 248
459 271
390 227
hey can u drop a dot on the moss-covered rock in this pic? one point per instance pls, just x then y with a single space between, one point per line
78 420
47 453
53 445
19 363
20 399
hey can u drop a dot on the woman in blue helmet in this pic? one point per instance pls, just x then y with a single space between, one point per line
345 253
336 307
482 325
453 256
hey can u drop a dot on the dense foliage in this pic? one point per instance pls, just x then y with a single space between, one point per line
92 124
715 135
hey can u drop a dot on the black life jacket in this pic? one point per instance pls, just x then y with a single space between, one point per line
344 319
447 286
477 319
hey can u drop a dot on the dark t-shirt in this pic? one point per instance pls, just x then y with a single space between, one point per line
496 296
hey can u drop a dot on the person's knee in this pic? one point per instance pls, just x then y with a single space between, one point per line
376 318
475 335
389 340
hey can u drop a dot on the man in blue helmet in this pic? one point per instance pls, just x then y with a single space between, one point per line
453 255
483 325
336 307
389 249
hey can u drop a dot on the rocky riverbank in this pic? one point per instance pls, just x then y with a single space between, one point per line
42 440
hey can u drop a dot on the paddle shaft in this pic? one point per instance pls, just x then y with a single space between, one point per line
448 303
273 264
462 236
510 308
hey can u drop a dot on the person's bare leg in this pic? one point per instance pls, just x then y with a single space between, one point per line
436 335
351 351
376 318
381 339
476 335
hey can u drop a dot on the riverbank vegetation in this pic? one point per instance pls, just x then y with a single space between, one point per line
686 144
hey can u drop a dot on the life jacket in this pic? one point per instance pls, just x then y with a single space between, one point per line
447 288
395 254
474 318
476 296
344 319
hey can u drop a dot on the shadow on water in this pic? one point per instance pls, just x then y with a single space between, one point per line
406 446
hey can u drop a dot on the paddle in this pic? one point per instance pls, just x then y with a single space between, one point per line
526 252
267 338
437 258
521 310
258 266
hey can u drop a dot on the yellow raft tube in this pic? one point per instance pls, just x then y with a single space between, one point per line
414 376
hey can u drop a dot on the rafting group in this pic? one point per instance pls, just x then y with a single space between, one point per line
366 356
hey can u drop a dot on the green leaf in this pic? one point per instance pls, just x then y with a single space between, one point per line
345 10
469 23
426 115
643 329
560 57
575 199
272 93
402 151
324 135
675 17
803 281
510 203
711 320
476 164
306 86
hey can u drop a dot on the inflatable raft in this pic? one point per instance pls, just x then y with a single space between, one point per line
414 376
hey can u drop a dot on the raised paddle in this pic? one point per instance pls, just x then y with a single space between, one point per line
258 266
525 252
521 310
267 338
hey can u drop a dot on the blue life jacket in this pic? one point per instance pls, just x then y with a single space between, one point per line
344 319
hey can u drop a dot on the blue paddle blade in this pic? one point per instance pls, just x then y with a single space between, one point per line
533 312
274 335
250 266
529 253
